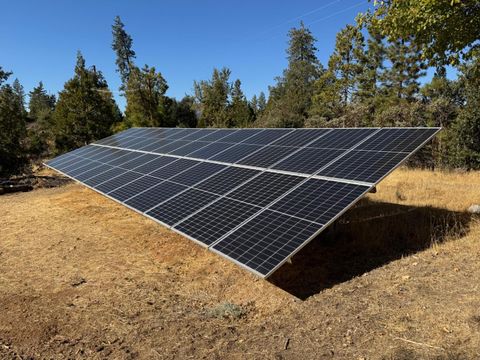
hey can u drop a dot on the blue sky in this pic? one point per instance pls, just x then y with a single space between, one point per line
184 40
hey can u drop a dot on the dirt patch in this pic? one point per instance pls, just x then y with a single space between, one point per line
84 277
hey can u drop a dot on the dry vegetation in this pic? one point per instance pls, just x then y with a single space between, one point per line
396 278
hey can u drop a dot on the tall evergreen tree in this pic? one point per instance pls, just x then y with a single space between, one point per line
290 98
40 133
465 137
400 80
145 98
212 99
372 65
346 61
241 115
122 45
4 75
12 128
85 109
180 113
39 102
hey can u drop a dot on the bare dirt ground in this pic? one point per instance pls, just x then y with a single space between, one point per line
398 277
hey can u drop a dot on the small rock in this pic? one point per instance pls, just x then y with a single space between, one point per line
77 281
474 209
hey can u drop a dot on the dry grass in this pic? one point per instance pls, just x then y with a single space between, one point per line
395 278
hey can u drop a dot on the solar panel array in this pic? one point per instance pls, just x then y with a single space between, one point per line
255 196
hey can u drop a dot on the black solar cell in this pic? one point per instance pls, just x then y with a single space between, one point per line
265 188
197 173
133 188
369 166
308 160
319 200
181 206
267 156
235 153
216 220
266 241
226 180
342 138
155 195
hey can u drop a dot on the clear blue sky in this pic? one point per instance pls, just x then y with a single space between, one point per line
183 39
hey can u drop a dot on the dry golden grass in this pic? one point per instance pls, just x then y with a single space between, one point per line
397 277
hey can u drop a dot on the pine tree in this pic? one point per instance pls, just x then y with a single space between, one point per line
145 98
346 61
85 109
261 104
4 75
372 65
12 127
465 136
40 133
40 102
180 113
400 80
122 45
241 115
290 99
212 99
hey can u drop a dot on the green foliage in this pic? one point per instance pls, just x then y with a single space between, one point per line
212 99
291 98
400 80
40 132
12 127
122 45
443 30
180 113
465 135
85 109
240 112
145 98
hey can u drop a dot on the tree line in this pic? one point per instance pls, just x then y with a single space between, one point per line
372 78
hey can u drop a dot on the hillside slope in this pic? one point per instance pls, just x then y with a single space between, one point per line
398 277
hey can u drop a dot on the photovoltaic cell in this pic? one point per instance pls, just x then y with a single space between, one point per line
308 160
266 241
342 138
265 188
319 200
156 163
155 195
398 139
103 176
189 148
300 137
174 168
235 153
197 173
117 181
216 220
267 156
369 166
219 134
239 136
267 136
181 206
133 188
210 150
227 180
258 218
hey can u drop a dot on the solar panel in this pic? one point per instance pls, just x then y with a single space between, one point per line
254 196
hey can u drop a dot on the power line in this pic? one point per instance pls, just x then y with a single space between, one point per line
300 16
336 13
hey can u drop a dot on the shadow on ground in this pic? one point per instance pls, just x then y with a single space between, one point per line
366 237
